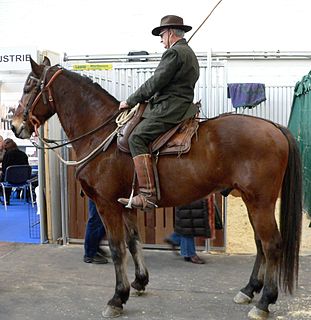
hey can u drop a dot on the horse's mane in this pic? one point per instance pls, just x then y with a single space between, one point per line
94 85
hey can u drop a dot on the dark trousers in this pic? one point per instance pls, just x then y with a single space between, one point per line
94 232
8 192
145 133
186 243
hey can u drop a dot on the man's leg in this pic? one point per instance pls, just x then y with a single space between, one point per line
174 241
187 250
145 132
94 233
187 246
175 238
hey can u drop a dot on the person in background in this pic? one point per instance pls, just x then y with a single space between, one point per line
187 247
94 233
190 221
2 151
13 156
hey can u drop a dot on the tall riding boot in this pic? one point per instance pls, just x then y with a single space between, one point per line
146 199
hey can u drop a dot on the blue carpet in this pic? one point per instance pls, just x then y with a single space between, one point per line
20 223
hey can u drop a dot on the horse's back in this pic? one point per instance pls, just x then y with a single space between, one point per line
244 134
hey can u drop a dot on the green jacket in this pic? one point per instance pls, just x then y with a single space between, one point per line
170 90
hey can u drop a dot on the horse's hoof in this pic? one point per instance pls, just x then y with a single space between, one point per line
112 312
258 314
242 298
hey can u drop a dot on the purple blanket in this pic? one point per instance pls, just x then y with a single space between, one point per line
246 95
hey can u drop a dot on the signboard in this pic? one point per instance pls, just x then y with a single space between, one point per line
16 58
89 66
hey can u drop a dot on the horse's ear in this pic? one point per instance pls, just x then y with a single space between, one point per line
46 61
34 67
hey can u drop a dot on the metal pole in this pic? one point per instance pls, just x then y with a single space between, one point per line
41 185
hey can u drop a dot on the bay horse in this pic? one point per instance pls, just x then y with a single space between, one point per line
254 156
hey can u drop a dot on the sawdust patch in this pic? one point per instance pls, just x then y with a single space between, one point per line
240 236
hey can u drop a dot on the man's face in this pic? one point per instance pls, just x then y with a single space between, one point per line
165 35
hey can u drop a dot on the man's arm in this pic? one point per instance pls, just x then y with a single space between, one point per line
162 76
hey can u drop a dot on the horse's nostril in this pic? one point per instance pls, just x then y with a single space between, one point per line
13 128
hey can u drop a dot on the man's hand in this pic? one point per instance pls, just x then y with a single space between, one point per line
123 106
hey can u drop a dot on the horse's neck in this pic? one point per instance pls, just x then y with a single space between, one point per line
82 112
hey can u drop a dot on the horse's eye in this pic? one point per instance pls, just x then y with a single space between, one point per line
30 83
27 88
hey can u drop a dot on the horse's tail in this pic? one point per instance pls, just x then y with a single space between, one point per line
291 216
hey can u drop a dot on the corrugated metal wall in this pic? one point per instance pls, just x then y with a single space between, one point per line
211 89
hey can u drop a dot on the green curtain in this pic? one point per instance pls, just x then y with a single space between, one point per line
300 126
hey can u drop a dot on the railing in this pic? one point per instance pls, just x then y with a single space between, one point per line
5 124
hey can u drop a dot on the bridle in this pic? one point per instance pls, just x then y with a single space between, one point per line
40 90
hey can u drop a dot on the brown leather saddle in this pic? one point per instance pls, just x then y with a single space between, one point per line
175 141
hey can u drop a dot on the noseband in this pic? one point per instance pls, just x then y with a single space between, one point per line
40 90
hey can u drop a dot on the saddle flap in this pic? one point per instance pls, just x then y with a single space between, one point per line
127 129
178 139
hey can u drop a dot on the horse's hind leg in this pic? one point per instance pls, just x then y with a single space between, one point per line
256 280
265 227
134 246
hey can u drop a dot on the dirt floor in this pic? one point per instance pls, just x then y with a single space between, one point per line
48 282
240 237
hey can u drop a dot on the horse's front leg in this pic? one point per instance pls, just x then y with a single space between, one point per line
134 246
116 237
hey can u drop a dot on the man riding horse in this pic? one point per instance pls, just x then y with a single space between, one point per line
169 93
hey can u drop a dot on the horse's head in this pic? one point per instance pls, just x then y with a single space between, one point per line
36 103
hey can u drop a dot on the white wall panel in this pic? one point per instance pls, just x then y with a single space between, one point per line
211 88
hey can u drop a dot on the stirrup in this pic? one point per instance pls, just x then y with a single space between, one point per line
144 204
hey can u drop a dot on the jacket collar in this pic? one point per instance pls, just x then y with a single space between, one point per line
180 41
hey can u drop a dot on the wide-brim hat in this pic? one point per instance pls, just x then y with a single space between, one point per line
173 22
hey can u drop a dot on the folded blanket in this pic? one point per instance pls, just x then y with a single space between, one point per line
246 94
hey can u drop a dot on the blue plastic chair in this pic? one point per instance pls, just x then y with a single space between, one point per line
17 176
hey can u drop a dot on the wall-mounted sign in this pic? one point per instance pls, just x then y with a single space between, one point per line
89 66
16 58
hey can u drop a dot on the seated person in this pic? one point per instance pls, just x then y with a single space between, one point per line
13 156
2 152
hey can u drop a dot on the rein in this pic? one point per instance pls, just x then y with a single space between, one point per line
47 142
39 91
121 118
40 88
103 144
